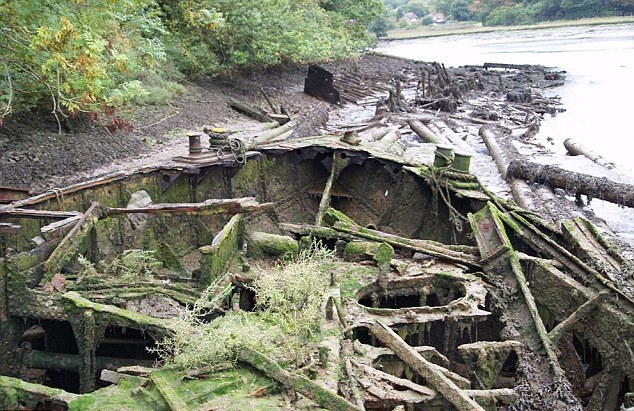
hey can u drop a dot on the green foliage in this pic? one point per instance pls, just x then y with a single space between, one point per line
92 56
382 25
289 299
508 16
76 56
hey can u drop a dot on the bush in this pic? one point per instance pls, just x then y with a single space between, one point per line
427 20
289 299
516 14
70 57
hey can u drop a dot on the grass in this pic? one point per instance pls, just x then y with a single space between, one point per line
475 27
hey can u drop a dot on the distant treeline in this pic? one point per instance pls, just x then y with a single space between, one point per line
496 12
71 57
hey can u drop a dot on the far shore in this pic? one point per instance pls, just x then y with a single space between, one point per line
457 28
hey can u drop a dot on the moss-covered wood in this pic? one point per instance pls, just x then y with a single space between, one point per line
15 393
217 257
434 377
296 382
343 223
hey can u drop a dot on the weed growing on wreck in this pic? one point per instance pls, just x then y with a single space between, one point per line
287 318
129 266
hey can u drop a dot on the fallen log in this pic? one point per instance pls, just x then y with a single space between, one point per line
249 111
443 130
324 204
276 132
573 182
496 150
429 371
426 134
296 382
208 207
576 149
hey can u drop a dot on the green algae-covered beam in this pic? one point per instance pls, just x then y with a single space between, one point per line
138 318
296 382
429 371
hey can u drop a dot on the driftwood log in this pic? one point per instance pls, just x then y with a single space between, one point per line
573 182
576 149
426 134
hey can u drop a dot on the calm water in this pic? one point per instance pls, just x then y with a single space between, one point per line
598 94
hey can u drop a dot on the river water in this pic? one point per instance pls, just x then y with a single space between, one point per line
598 95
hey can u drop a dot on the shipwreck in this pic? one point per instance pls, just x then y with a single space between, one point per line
433 293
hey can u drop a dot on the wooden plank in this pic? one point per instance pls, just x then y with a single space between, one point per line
174 402
211 206
8 228
28 213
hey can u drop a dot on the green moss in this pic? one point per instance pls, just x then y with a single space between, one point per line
261 244
333 216
129 394
383 256
356 251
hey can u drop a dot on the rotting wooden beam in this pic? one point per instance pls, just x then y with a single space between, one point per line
208 207
296 382
36 391
249 111
59 225
434 377
582 312
315 231
497 252
324 204
544 244
71 242
72 362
